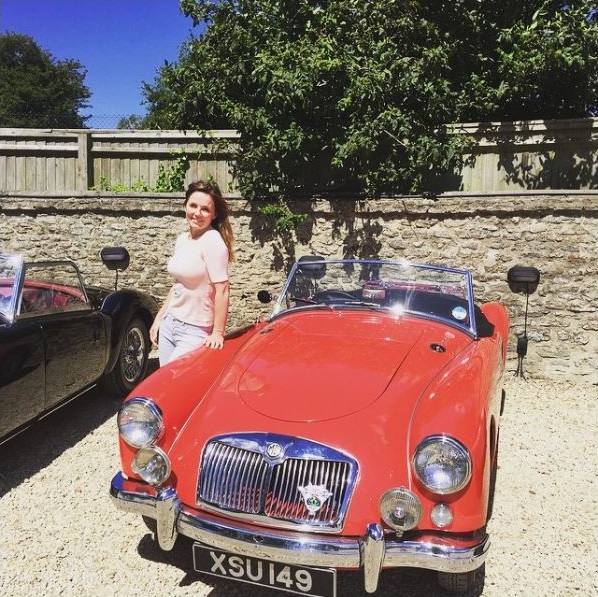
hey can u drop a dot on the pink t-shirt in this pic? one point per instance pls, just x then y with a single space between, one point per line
196 265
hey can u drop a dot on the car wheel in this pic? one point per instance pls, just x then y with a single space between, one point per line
467 584
132 362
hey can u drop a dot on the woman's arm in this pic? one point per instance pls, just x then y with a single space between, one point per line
158 319
221 304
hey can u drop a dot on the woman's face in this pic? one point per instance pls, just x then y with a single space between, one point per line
200 212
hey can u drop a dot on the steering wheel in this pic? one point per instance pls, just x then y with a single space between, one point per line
332 295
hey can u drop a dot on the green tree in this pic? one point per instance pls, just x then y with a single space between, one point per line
134 122
36 90
356 96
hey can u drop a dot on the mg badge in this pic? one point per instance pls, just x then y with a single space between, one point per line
314 497
274 450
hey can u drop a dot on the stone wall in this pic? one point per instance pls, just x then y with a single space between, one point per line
557 232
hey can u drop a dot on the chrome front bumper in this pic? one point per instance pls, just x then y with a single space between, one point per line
372 551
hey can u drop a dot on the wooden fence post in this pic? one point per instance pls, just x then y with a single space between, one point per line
84 161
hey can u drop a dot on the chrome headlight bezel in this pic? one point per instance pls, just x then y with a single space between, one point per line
442 464
140 422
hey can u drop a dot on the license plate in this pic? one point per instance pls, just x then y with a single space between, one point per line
317 582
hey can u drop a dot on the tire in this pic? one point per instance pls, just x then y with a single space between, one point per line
467 584
133 359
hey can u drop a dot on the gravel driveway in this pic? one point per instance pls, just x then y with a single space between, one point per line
61 535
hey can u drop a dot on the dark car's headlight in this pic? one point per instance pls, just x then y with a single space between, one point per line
140 422
442 464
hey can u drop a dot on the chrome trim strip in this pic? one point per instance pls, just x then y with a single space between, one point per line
372 551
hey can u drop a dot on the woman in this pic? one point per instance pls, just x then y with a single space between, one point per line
195 311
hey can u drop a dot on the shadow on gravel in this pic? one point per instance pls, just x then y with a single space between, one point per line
407 582
36 447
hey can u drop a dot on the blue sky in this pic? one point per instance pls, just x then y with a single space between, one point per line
120 42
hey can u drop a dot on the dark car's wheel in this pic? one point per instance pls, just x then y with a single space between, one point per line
132 362
467 584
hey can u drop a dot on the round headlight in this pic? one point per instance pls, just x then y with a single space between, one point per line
140 422
442 464
152 465
400 509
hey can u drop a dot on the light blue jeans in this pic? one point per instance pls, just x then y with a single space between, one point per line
177 338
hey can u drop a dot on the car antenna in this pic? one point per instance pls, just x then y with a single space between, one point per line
523 280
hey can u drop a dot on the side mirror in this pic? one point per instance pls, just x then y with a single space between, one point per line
314 265
115 258
523 280
263 296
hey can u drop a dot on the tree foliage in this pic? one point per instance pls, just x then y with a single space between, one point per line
36 90
357 96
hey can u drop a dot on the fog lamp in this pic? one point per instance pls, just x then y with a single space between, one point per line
400 509
152 465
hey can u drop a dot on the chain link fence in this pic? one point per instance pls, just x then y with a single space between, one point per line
88 121
114 121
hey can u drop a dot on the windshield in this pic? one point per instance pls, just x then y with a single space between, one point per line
439 293
10 269
39 288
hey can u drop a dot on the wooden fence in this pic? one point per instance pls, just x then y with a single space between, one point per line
508 156
77 160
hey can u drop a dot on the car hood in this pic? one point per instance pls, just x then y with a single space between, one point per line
316 368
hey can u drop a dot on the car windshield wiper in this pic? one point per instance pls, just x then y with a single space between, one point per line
309 301
332 305
303 299
368 304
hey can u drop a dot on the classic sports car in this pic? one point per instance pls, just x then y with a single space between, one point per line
59 337
355 428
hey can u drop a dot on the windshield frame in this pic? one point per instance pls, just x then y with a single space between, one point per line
8 308
426 275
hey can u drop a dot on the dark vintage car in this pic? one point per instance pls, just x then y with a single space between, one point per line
356 428
59 337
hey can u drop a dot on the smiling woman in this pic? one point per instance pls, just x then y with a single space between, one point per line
195 311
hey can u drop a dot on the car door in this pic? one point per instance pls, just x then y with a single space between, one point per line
22 374
75 335
75 353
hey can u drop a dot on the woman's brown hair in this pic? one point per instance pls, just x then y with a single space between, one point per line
221 221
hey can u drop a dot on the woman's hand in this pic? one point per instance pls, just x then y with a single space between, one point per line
215 339
154 332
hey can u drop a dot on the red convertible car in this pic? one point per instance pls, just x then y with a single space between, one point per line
59 336
354 428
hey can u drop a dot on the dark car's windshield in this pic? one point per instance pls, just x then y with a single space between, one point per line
38 288
399 287
10 268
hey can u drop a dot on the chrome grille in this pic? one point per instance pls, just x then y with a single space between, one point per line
238 476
